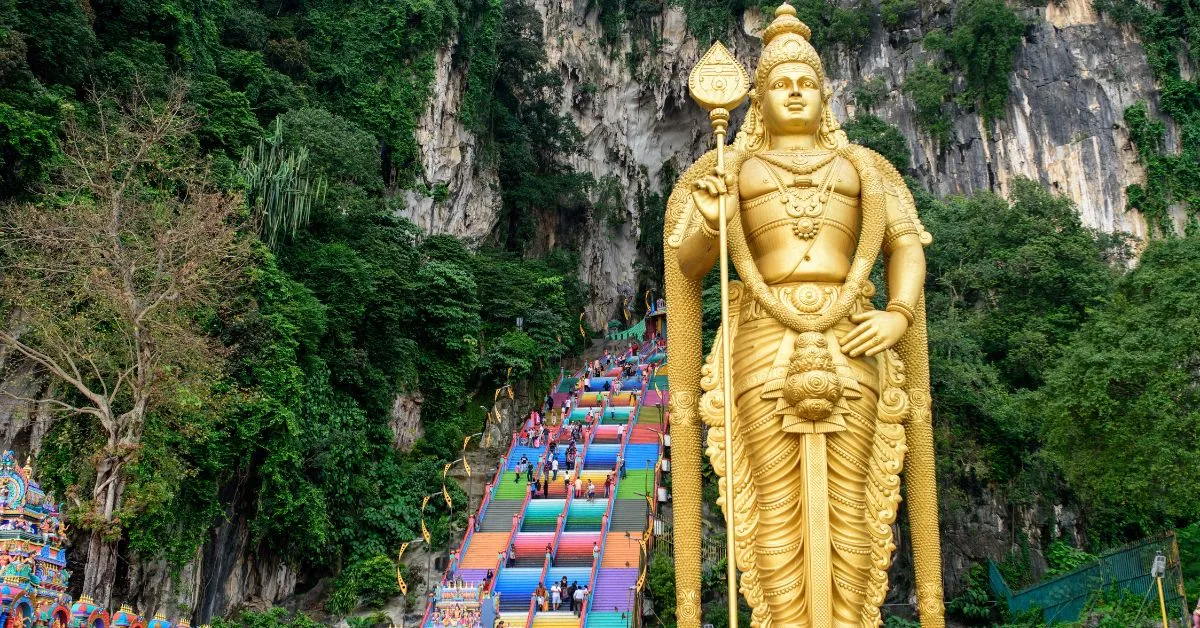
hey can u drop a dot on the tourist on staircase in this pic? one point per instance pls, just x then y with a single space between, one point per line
540 597
580 594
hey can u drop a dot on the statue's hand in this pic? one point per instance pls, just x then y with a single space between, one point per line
709 189
876 331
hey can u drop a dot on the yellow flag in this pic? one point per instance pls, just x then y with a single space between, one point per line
423 503
508 374
466 467
403 547
445 470
446 494
401 583
647 300
487 440
510 393
581 331
497 395
465 441
625 308
425 532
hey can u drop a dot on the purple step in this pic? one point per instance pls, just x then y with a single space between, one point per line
471 575
612 589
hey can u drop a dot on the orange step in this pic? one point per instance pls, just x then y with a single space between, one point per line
621 551
484 550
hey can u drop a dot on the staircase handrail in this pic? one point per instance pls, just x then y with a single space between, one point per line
606 522
562 520
490 492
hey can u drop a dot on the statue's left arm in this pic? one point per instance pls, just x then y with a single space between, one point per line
878 331
905 257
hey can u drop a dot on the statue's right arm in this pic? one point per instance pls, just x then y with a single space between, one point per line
697 254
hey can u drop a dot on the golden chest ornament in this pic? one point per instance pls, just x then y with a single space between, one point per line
807 210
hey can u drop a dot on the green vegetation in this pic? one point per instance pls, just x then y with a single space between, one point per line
893 12
273 618
370 582
870 92
283 418
1120 406
981 45
1168 33
929 88
874 133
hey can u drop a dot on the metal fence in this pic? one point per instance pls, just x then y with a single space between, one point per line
712 546
1063 599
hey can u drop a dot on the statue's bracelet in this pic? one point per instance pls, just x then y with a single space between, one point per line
708 231
902 308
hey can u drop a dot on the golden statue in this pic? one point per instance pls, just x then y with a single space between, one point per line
829 393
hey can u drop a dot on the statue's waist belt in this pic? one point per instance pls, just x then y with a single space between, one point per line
808 298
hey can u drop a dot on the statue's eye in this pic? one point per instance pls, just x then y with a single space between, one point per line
780 85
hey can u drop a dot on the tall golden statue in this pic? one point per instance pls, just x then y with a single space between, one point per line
829 393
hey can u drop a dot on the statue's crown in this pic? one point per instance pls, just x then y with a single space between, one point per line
786 22
786 39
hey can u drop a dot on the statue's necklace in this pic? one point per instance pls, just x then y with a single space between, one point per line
809 213
801 164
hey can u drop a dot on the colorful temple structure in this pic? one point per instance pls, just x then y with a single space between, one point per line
33 562
521 539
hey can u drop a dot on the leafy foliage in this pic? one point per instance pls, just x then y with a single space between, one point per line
982 44
273 618
1170 31
1120 407
929 87
660 580
1009 283
370 582
874 133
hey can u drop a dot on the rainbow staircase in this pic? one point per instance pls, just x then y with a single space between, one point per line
600 543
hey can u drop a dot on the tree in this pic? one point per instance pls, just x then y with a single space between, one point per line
107 282
1121 407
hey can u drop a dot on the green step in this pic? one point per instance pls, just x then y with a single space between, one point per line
635 482
651 415
509 490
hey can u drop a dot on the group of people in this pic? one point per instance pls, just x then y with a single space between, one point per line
457 617
558 594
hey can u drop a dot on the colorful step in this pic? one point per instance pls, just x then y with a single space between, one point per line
542 515
636 484
584 516
484 550
515 585
622 550
641 456
555 619
614 590
608 620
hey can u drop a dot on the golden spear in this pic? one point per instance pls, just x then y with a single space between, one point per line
719 84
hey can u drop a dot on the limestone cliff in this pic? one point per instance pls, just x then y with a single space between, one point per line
1075 74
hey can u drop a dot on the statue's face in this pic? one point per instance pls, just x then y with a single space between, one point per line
793 100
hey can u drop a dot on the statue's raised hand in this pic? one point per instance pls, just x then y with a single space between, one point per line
709 189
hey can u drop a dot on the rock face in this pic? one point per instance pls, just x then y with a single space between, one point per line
1075 74
458 196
